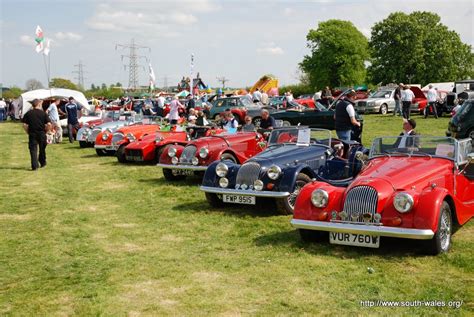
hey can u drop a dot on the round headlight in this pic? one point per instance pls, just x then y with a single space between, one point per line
223 182
274 172
203 152
320 198
174 160
403 202
258 185
221 169
105 136
195 161
172 151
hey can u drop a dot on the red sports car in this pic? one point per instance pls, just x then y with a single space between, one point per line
411 187
150 147
179 161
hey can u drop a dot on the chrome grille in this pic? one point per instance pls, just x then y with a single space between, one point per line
188 153
248 173
93 135
361 200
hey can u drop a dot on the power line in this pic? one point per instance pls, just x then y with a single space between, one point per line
222 80
80 74
133 59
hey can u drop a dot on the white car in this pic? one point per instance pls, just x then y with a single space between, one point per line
380 102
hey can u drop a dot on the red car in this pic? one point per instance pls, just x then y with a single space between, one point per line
150 147
418 188
114 143
419 102
179 161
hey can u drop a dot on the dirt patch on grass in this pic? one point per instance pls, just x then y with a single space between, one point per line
206 277
171 238
125 225
15 217
123 248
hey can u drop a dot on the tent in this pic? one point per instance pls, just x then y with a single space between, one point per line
182 94
25 98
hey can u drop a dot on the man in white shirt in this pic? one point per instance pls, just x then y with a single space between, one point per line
407 98
432 96
407 138
257 96
53 114
317 97
3 110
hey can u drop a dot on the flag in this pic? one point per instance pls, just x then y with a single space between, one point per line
47 47
192 65
152 77
39 39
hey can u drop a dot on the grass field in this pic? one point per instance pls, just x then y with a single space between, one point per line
89 236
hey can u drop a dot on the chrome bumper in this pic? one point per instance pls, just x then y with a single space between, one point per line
106 147
183 167
419 234
257 193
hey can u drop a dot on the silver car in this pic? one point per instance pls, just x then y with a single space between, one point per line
380 102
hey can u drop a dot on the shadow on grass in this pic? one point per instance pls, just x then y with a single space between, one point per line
17 168
228 210
159 179
390 248
90 156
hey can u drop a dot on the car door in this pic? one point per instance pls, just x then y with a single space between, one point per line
464 181
321 119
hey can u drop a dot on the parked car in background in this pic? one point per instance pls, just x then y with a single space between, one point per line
180 161
381 102
422 191
86 130
461 124
294 156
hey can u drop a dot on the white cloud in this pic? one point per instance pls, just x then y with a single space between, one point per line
270 49
27 40
288 11
68 36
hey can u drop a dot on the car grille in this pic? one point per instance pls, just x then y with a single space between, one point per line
248 173
134 153
361 104
359 201
93 135
188 153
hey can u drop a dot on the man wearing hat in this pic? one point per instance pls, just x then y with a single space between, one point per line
36 122
406 138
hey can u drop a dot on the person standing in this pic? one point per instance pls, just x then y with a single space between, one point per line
53 113
257 96
72 111
265 98
35 123
326 96
175 106
432 96
317 97
344 117
191 103
407 98
3 110
398 98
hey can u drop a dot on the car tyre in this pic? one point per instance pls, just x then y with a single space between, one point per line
313 236
384 109
287 205
101 152
169 176
470 134
120 154
228 157
83 144
214 200
441 242
286 124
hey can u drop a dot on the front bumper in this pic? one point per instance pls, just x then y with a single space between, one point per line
106 147
418 234
183 167
257 193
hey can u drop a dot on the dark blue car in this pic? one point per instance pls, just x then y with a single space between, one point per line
294 156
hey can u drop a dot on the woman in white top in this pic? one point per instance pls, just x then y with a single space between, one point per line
174 110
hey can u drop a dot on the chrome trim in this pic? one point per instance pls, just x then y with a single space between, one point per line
100 146
233 191
182 167
419 234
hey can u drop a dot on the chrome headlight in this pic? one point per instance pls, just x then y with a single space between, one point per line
221 169
105 136
258 185
204 152
223 182
174 160
403 202
319 198
274 172
131 137
195 161
172 151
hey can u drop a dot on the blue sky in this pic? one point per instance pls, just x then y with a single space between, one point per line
240 40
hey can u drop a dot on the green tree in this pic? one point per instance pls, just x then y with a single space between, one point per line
93 87
338 53
12 93
103 86
417 48
62 83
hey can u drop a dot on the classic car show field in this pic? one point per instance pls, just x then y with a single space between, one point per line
90 236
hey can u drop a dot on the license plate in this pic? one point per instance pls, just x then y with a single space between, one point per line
358 240
183 173
111 147
238 199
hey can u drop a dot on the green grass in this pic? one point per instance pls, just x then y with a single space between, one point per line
87 236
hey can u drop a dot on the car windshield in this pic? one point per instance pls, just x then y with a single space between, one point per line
417 145
381 94
465 108
300 136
